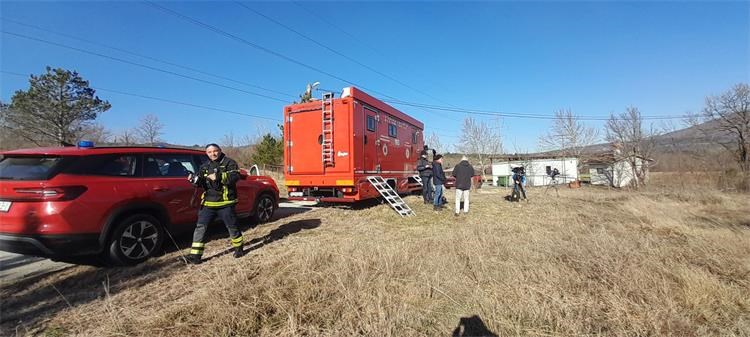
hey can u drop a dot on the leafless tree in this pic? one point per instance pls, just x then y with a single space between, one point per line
228 141
229 145
480 140
240 149
568 135
150 129
9 140
634 144
433 141
729 115
96 132
126 137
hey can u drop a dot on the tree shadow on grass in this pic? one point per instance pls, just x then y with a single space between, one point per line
30 301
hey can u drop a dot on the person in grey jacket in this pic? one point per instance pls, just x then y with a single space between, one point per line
463 172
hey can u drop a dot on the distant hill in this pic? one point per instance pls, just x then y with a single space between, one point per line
698 137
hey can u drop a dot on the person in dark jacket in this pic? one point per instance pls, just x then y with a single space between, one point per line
463 172
425 174
519 183
218 178
438 177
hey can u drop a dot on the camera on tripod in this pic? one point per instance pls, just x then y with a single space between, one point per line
552 173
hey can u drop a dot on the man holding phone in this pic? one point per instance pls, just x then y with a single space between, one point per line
218 177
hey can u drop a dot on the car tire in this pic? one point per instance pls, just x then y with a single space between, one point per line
135 239
264 209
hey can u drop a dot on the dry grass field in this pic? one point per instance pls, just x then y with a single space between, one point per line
591 262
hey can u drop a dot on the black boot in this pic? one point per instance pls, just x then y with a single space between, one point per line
238 252
194 259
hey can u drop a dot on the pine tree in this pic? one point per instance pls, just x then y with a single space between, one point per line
270 151
57 105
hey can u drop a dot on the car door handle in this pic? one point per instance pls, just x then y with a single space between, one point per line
161 188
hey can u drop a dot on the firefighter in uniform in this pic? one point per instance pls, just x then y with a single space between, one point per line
218 178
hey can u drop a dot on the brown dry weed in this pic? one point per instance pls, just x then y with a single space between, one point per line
591 262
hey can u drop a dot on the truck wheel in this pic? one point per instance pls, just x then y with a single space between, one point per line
135 239
264 209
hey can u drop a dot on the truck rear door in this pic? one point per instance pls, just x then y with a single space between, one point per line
304 138
369 147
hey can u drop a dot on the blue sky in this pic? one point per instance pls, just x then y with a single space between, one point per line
517 57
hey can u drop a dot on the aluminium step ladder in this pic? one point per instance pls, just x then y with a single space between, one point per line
327 137
393 199
418 179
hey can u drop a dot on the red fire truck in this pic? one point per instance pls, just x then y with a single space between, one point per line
332 146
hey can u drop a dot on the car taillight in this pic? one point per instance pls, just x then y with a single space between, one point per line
61 193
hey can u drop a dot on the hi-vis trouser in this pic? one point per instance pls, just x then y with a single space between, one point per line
205 217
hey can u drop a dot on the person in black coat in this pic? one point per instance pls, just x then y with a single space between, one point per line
463 172
424 167
438 177
218 178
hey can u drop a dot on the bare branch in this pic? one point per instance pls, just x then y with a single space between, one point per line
632 143
729 115
568 135
433 142
150 129
480 140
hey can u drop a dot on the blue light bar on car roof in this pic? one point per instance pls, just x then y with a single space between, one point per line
85 143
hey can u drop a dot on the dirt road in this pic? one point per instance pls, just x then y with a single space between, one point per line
15 267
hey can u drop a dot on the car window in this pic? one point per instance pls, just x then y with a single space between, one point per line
168 165
202 159
118 165
28 167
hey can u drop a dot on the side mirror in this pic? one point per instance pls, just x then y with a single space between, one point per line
254 170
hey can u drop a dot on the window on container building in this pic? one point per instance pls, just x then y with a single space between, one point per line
392 130
371 123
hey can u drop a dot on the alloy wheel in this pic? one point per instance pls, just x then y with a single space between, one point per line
139 239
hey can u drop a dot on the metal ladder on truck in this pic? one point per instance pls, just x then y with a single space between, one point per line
327 141
418 179
393 199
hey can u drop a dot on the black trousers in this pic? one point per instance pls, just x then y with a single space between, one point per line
519 188
205 217
427 188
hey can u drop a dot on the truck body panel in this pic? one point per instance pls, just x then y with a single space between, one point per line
369 137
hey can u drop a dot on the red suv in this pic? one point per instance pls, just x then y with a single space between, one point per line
116 201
